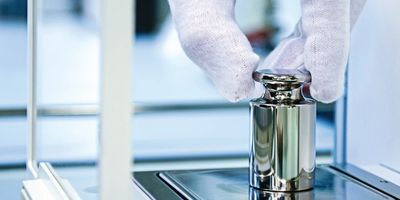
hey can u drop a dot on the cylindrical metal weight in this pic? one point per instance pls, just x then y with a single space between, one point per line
282 154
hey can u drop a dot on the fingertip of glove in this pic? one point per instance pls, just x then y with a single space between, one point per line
326 95
235 98
258 91
239 93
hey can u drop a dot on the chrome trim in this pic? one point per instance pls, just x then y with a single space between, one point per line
138 108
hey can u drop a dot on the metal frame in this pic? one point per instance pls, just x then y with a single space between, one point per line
31 162
339 155
115 161
137 108
45 182
115 115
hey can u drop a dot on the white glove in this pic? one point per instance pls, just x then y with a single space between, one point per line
211 38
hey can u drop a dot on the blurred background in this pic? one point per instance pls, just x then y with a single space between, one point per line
178 116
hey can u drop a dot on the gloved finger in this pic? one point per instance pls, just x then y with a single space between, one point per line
290 52
211 38
326 25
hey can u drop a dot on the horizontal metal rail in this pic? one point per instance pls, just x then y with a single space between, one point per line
92 110
152 159
138 108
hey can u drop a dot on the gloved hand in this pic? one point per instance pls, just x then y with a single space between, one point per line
211 38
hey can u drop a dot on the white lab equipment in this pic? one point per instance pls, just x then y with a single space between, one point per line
366 146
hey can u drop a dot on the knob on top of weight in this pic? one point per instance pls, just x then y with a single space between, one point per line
282 76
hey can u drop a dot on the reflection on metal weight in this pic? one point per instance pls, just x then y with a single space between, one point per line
282 154
256 194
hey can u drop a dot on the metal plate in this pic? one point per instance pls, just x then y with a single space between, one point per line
233 184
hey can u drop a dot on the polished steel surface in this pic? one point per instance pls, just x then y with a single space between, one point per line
233 184
282 127
267 76
282 154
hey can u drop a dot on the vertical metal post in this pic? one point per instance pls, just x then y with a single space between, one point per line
115 157
31 163
339 154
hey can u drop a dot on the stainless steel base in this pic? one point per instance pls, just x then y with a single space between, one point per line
332 182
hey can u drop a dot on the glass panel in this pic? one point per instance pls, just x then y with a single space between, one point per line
13 40
373 110
67 77
13 48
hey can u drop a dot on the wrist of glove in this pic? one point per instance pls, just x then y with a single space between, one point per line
211 38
